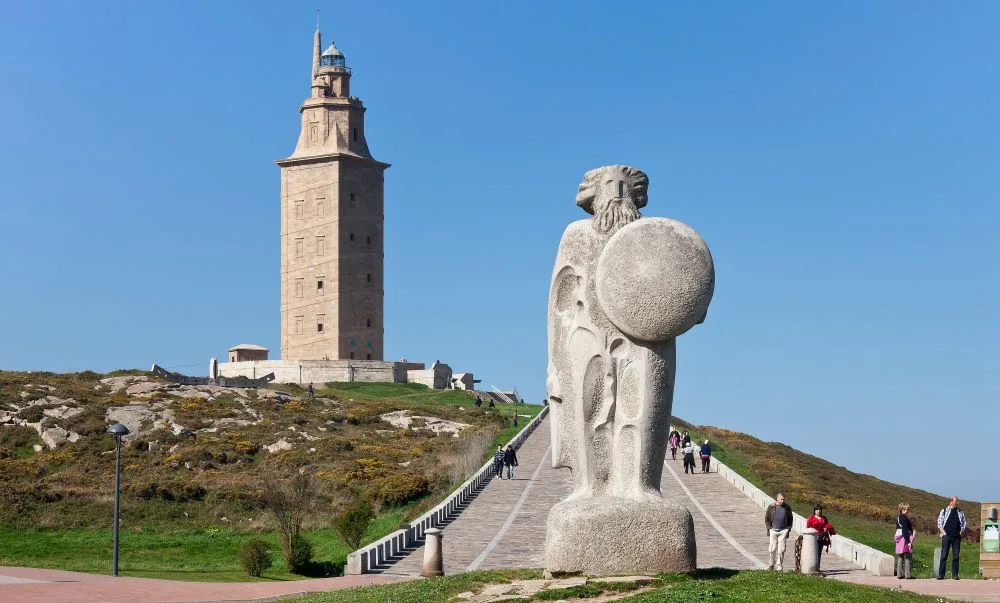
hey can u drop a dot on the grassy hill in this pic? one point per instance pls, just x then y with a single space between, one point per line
860 506
198 456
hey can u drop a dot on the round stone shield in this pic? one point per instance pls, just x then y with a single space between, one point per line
655 279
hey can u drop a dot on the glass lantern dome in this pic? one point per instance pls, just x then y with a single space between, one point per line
332 57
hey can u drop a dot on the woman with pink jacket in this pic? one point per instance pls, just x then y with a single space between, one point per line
904 542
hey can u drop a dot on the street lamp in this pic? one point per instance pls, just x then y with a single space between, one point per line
118 430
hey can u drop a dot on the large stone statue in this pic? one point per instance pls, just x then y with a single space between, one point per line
623 288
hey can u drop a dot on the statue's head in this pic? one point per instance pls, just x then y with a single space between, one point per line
613 194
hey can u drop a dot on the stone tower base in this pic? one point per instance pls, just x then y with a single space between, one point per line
609 536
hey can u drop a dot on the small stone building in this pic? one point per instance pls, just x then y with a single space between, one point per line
247 351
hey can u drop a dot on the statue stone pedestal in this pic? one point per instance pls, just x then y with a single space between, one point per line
608 536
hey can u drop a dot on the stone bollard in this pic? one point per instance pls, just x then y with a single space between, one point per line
810 548
433 553
937 560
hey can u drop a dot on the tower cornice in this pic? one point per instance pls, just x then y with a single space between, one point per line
291 161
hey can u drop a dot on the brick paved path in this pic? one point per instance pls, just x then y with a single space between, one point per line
30 585
505 525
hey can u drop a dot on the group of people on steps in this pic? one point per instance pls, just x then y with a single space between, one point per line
504 458
688 449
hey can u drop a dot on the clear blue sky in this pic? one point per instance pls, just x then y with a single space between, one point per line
839 159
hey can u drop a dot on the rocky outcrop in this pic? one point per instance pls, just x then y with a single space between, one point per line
402 419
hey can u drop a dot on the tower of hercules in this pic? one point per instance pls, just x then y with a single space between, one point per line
331 225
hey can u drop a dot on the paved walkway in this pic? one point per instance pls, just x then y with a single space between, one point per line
29 585
505 525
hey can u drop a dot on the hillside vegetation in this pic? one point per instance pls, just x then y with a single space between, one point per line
198 457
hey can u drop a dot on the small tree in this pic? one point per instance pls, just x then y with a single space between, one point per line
352 524
255 557
290 502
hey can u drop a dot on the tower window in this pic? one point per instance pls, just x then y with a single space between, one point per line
352 236
321 245
299 245
319 322
352 355
368 240
298 287
369 356
319 287
369 275
354 133
298 210
320 208
352 196
368 323
298 325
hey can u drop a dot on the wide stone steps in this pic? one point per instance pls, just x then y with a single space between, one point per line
504 526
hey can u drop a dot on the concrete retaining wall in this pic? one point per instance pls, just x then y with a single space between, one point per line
875 561
318 371
366 559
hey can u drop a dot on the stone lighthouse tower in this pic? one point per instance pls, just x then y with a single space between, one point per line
331 225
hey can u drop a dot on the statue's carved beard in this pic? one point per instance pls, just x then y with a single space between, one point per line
613 215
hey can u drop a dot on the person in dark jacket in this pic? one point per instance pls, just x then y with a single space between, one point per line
510 460
492 404
685 439
778 519
904 542
479 402
951 524
706 457
498 458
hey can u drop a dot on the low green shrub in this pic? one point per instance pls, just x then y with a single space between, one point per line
397 489
352 524
298 553
255 557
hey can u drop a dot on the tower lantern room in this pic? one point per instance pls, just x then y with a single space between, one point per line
331 76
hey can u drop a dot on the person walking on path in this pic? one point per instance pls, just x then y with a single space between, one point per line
778 519
706 457
311 392
951 524
686 438
675 442
819 523
513 416
904 542
689 457
510 460
498 458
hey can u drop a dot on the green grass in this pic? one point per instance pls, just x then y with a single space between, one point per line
195 555
420 591
716 585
